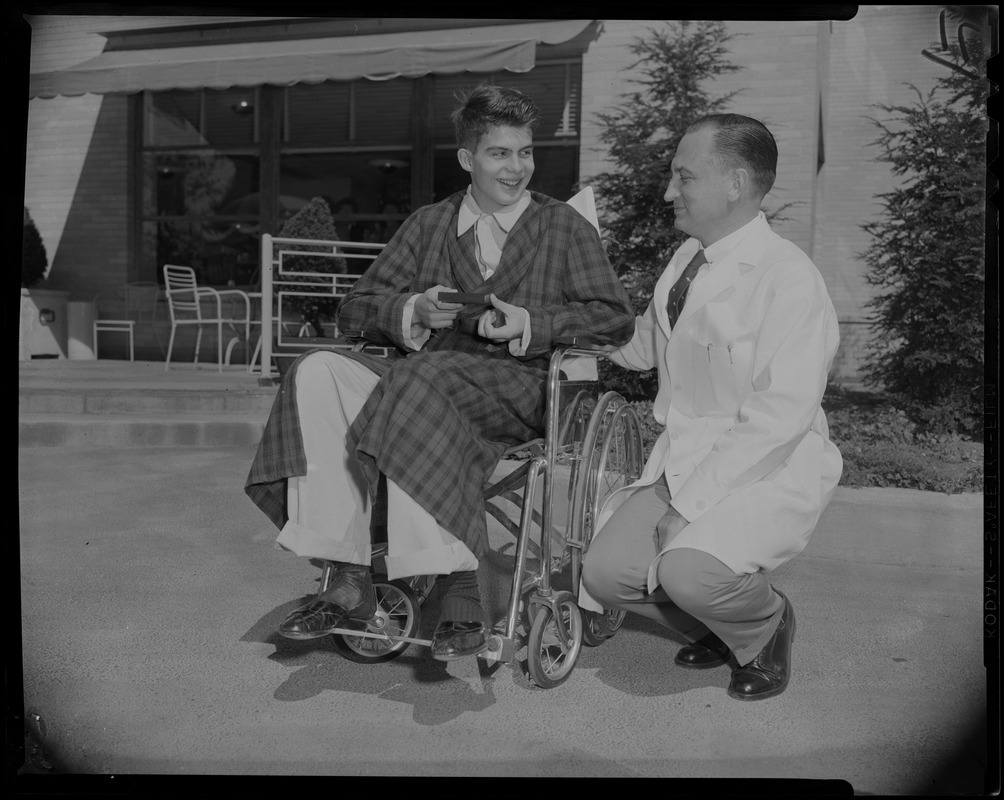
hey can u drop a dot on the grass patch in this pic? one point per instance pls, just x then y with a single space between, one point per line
882 447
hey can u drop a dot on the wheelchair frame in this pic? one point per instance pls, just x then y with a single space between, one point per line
609 455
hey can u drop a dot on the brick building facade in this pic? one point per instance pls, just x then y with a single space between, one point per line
814 83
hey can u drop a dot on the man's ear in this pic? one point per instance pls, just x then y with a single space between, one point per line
465 157
740 184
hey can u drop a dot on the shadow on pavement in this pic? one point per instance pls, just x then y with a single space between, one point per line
422 682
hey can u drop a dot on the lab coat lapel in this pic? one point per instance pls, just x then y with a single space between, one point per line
727 272
724 274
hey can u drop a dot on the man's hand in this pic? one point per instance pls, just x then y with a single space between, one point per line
510 319
431 313
668 527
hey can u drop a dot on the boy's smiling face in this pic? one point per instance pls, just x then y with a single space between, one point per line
500 167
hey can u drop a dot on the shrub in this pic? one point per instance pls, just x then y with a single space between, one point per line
33 256
881 446
927 257
313 221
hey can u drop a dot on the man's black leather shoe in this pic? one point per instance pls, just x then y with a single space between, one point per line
707 652
350 598
767 675
453 640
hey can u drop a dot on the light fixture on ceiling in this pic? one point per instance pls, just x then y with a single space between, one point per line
243 107
388 165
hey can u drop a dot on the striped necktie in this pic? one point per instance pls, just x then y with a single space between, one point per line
678 294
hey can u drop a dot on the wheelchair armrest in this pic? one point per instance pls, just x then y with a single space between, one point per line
370 337
361 339
584 345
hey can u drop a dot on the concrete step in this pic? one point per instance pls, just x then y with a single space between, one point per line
115 404
140 430
146 400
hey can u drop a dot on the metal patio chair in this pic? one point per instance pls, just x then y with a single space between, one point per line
191 304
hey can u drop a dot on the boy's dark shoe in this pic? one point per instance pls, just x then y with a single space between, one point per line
350 598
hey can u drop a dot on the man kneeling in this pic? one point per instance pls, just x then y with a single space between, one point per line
743 333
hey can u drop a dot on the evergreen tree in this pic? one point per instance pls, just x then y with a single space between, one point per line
927 258
642 135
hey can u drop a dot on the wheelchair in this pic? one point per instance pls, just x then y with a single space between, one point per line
595 439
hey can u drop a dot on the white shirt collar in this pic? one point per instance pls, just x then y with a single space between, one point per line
725 245
470 213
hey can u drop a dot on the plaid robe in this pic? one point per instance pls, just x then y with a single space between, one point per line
440 418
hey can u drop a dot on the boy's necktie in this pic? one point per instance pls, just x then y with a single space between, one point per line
678 294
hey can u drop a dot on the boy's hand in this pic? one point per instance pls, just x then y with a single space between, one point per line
432 313
504 323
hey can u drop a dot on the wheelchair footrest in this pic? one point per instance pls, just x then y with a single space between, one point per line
500 648
374 635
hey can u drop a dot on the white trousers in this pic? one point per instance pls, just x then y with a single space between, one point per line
329 508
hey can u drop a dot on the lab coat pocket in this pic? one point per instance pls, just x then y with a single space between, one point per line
721 375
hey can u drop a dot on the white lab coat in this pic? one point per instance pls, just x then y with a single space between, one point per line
745 451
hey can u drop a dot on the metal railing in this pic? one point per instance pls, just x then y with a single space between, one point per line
283 277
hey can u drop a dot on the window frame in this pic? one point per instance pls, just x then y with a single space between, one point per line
270 144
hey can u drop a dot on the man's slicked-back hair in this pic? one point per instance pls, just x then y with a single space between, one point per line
487 107
745 142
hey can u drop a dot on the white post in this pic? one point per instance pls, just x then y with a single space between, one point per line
266 307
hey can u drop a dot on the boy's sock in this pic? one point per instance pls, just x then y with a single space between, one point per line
461 598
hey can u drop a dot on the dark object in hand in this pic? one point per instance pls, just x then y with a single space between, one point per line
468 298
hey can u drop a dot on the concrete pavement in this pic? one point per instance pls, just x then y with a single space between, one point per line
150 593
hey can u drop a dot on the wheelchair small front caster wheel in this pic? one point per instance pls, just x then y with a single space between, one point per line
555 641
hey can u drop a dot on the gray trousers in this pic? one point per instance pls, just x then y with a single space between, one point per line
697 593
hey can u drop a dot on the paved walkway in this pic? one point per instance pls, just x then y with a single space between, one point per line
150 594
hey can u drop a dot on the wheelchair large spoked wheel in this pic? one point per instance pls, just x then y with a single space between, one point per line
598 626
397 614
612 458
555 641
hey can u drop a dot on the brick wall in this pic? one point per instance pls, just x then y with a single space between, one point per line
871 60
77 154
792 72
93 256
778 84
59 134
605 85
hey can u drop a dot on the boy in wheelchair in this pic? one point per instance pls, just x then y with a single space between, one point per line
470 382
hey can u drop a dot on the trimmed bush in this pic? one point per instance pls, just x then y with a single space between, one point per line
313 221
34 260
882 447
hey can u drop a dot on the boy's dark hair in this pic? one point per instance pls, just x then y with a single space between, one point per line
489 106
743 142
